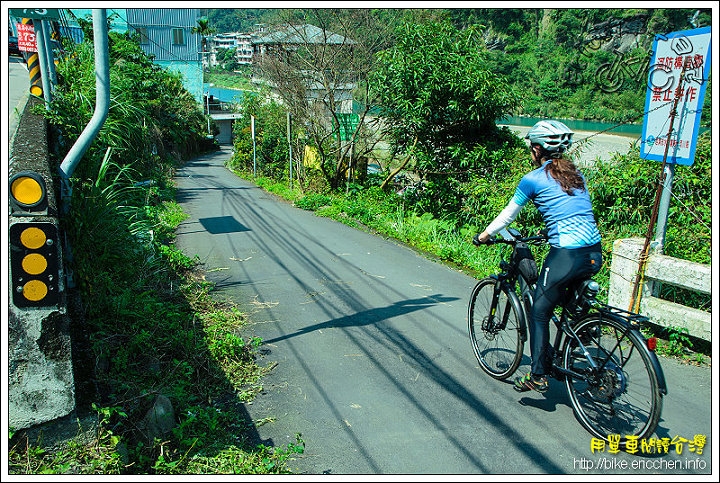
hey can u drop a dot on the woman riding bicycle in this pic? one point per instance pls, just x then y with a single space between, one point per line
557 188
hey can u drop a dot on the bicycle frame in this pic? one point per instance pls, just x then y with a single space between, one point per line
631 321
508 280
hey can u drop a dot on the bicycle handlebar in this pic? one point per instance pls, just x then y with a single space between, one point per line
538 239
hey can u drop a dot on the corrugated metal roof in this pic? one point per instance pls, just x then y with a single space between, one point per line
302 34
175 17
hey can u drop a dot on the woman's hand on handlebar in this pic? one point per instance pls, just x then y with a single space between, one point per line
481 239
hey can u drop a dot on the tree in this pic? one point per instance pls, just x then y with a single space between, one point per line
204 29
318 62
436 93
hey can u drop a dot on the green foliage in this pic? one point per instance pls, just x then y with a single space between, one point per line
177 259
231 80
689 224
151 113
98 457
556 61
145 324
434 85
313 201
624 191
677 341
271 155
438 95
237 19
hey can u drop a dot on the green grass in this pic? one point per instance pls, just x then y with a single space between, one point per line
151 328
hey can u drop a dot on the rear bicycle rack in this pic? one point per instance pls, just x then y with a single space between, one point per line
634 319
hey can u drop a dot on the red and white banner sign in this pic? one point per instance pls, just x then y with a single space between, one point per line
26 37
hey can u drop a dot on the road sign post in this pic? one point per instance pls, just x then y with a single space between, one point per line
674 102
679 72
36 13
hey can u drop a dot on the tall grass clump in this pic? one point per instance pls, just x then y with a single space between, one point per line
145 329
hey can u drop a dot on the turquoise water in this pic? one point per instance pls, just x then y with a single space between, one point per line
223 94
629 130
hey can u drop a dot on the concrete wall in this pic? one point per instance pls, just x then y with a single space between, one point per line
224 122
40 372
659 268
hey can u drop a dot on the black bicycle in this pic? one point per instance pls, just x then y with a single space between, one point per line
613 378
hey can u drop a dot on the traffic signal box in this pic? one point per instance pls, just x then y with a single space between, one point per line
34 244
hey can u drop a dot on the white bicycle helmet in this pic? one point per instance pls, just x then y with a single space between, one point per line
553 136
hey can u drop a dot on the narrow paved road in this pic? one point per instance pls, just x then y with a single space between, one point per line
374 366
18 87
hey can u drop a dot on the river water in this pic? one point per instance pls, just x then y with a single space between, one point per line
590 145
224 95
628 130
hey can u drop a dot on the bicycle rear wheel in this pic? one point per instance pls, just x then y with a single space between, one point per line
622 396
497 338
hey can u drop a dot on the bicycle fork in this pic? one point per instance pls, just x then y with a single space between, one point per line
490 324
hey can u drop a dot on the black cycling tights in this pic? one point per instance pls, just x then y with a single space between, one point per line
561 268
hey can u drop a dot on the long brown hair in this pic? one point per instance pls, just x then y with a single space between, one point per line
566 174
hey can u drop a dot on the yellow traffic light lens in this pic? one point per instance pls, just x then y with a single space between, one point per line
35 290
27 190
32 238
34 263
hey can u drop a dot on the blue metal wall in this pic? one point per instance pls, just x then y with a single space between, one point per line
185 58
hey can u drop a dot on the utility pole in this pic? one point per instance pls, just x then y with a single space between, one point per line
289 138
207 103
252 133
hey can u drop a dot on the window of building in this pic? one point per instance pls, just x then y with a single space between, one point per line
178 36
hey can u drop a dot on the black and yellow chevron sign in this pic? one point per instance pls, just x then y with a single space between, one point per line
33 65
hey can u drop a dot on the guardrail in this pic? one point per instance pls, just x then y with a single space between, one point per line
660 268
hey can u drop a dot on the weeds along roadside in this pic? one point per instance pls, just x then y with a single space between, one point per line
148 328
145 325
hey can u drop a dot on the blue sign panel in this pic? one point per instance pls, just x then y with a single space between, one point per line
678 76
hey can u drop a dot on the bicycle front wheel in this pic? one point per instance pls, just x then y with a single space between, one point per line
495 325
621 396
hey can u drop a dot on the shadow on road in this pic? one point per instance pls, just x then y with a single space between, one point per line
371 316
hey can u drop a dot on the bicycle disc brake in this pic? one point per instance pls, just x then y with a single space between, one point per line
489 327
